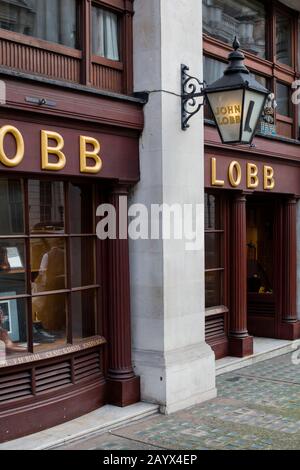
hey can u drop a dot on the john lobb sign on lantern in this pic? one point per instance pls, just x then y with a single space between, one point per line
236 100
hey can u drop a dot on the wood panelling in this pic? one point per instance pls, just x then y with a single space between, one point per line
261 304
107 78
284 128
263 147
72 103
44 62
34 397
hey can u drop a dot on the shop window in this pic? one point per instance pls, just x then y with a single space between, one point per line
51 20
105 34
283 98
260 248
214 239
284 28
225 19
47 264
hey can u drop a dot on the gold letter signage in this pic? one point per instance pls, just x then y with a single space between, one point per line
86 155
252 176
16 160
53 155
228 115
56 151
235 176
269 181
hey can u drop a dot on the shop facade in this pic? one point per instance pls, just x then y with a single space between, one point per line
68 143
252 193
251 246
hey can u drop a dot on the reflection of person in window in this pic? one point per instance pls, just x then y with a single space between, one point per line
52 279
52 267
4 336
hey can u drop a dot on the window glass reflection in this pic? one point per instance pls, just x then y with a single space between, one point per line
48 264
13 327
49 313
81 209
12 268
12 207
212 212
246 19
52 20
84 314
284 29
283 100
213 250
83 261
46 206
213 289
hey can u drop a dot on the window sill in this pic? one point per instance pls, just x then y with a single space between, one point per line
113 64
63 351
213 311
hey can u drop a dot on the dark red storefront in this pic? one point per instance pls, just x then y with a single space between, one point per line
68 344
251 243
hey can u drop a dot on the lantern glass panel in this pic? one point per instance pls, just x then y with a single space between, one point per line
227 107
253 104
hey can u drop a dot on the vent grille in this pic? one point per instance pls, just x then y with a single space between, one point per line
53 377
261 308
214 326
87 367
15 386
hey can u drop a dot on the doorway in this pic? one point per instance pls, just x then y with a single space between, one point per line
262 263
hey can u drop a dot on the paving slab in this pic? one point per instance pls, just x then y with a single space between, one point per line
257 408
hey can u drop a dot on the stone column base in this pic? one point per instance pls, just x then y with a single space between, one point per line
241 347
123 392
289 331
176 379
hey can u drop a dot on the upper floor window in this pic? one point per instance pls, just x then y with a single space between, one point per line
105 34
284 28
51 20
224 19
253 22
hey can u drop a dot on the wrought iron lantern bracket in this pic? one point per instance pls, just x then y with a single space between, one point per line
191 90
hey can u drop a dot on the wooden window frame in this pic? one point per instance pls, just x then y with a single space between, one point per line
68 236
124 10
268 68
223 252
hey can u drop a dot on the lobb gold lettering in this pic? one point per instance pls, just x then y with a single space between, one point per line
53 156
228 115
235 176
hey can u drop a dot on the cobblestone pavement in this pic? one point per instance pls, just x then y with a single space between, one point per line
258 407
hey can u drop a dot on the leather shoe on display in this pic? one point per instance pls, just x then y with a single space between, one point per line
41 336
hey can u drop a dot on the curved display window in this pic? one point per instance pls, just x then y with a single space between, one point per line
48 288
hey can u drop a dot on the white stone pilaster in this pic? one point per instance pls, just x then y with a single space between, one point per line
176 366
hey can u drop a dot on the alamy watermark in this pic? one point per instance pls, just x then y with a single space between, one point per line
2 92
296 93
2 353
157 222
296 353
